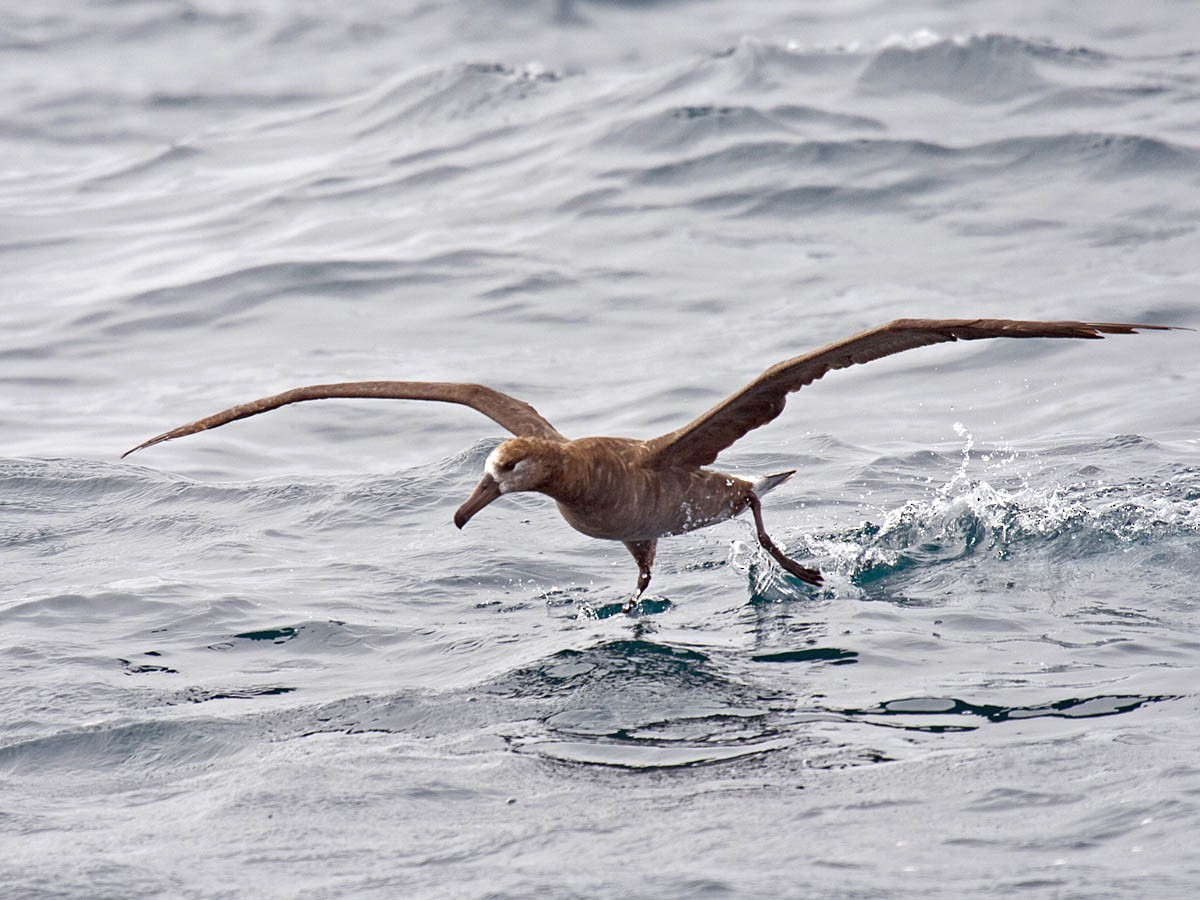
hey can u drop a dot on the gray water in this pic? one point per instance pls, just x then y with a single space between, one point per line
261 661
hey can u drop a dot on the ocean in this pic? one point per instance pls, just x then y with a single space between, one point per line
262 662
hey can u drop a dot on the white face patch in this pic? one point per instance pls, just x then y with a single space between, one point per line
506 480
491 466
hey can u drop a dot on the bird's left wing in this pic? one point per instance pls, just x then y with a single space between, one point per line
699 442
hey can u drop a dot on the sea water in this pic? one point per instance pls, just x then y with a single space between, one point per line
261 661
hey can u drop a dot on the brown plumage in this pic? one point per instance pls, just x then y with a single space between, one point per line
638 491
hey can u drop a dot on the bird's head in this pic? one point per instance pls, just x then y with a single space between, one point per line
519 464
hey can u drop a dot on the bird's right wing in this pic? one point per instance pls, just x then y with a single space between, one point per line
517 416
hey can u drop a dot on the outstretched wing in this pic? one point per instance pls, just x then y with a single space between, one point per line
517 416
699 442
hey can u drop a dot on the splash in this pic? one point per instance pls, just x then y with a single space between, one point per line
1029 507
970 516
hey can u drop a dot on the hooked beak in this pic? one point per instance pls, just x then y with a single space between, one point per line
485 492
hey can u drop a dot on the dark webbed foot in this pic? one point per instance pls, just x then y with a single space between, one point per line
804 573
643 554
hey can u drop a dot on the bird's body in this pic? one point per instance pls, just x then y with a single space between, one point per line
604 490
637 491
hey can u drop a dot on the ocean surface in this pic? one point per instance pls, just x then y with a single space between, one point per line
261 662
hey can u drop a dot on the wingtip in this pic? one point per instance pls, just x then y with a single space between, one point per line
1103 328
140 446
144 444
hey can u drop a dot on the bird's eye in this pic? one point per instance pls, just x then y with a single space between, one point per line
506 466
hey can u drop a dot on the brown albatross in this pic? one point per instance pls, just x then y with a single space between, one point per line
638 491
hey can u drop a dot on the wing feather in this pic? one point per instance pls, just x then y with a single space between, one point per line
699 442
515 415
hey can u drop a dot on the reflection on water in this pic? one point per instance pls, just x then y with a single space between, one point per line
915 709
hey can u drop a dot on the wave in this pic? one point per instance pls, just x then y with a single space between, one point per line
683 127
972 68
1072 523
845 163
736 134
988 69
1052 508
1033 525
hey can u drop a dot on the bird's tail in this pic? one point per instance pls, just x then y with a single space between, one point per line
770 482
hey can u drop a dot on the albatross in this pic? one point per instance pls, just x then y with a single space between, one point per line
637 491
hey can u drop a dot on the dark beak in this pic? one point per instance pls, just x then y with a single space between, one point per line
485 492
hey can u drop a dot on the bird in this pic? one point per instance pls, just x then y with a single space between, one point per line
638 491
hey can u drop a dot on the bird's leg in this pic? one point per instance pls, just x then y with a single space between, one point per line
811 576
643 554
